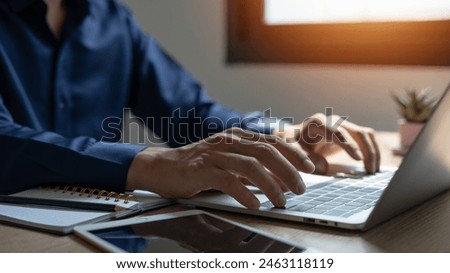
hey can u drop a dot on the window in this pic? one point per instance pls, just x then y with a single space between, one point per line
401 32
280 12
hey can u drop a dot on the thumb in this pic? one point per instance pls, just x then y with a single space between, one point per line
320 162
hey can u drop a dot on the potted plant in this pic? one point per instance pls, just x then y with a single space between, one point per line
415 109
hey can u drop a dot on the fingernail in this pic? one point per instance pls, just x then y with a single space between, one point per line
309 165
255 204
281 200
300 188
321 166
374 167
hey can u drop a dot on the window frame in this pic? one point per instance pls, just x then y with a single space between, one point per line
250 40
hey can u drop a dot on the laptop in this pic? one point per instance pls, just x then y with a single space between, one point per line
361 202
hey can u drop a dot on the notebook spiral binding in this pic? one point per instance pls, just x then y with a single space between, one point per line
92 193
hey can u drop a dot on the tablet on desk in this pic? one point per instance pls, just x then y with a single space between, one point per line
180 232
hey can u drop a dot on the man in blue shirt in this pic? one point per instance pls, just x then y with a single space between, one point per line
66 67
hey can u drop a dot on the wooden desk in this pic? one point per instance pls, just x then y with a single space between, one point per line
422 229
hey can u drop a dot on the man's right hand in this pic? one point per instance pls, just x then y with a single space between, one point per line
227 162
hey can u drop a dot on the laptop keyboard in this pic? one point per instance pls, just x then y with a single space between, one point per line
342 197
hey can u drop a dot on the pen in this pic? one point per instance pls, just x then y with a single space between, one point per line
57 203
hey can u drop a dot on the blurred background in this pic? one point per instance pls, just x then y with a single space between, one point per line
194 33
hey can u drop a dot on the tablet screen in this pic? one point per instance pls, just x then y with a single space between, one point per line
193 233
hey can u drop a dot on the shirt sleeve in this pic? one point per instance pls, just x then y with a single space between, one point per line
30 158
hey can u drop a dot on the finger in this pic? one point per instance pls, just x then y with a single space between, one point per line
333 131
352 138
377 150
369 151
344 139
254 171
312 132
341 136
292 153
320 162
274 161
282 185
244 180
341 140
247 182
265 154
229 184
365 139
372 146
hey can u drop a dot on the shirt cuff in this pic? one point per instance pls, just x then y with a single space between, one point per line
105 165
257 122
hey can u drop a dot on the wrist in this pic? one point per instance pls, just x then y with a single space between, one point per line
288 132
143 164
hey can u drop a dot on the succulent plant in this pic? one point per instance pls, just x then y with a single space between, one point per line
416 106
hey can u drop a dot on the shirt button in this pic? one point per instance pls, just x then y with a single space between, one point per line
61 105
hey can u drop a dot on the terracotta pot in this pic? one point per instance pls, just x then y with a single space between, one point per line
408 132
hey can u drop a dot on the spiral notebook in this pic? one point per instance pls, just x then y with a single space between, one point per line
59 210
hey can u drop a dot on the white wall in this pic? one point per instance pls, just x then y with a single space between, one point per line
193 31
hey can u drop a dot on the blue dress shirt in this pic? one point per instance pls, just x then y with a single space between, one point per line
60 99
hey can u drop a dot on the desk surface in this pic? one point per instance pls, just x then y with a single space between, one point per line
422 229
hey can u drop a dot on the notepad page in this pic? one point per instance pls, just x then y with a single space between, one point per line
54 219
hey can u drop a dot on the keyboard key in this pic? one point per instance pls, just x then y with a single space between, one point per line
343 200
332 195
323 199
319 186
333 187
363 201
353 188
352 196
290 195
368 190
318 192
310 195
291 203
313 203
303 198
342 184
302 207
326 207
346 208
368 198
335 203
342 191
267 204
